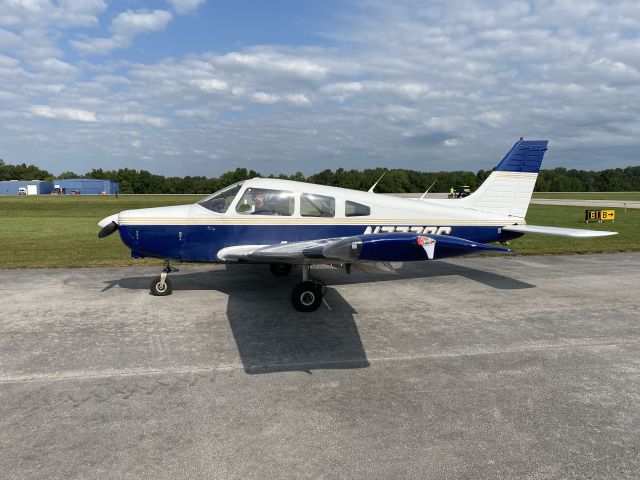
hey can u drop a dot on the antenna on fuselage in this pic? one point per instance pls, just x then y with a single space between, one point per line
374 185
434 182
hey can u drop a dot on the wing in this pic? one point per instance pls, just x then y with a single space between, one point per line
563 232
391 247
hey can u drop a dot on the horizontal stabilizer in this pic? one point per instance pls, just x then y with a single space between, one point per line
559 231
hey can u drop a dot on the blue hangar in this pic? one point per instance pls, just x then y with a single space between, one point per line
25 187
87 186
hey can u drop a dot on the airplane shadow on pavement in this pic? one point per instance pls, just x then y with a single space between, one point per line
272 337
269 334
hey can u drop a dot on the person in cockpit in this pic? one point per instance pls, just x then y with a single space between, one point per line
260 206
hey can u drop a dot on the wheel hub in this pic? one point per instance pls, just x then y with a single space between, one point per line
307 298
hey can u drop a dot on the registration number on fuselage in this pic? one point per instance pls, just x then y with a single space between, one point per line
407 229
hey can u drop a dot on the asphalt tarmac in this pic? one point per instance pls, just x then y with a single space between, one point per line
483 367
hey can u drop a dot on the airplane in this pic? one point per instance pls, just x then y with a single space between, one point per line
285 223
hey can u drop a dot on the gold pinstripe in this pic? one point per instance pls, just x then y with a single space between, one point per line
300 221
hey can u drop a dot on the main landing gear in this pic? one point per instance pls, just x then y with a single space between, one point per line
161 285
307 296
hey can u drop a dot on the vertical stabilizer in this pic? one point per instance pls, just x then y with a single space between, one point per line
508 189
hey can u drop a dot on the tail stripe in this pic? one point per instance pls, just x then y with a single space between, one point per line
524 157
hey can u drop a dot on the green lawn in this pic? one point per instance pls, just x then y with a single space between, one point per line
627 225
52 231
60 231
630 196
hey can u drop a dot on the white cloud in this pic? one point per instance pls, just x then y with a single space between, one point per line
210 84
9 39
135 119
195 113
275 63
129 23
492 118
342 90
9 62
185 6
66 13
444 124
79 12
125 27
266 98
298 99
400 113
57 67
78 115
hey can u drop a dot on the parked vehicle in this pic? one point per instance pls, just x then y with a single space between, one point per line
463 191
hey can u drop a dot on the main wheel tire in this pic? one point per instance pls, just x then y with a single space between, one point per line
280 269
160 289
306 296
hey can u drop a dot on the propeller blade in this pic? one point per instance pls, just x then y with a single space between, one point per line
108 230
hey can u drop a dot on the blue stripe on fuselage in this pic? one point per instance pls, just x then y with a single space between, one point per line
201 243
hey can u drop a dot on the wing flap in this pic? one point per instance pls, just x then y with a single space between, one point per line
559 231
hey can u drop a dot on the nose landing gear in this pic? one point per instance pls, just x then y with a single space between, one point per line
162 286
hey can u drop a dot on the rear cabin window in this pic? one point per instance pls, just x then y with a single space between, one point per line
353 209
219 202
262 201
317 205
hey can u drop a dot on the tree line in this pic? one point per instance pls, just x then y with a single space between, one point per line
394 180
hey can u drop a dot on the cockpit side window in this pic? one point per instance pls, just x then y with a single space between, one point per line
262 201
317 205
219 202
353 209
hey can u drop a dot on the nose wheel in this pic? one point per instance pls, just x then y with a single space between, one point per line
307 296
161 286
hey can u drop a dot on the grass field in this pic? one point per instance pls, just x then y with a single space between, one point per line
53 231
622 196
60 231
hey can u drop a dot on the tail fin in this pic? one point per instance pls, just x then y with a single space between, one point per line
508 189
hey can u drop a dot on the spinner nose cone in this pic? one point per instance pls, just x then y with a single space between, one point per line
109 225
106 221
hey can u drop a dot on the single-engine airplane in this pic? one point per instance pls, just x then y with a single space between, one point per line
285 223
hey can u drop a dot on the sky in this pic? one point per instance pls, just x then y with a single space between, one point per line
201 87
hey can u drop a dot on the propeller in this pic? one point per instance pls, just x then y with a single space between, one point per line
108 230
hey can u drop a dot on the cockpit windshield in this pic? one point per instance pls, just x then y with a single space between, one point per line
219 202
